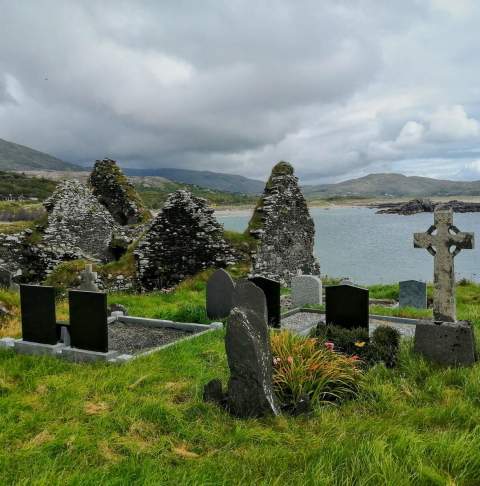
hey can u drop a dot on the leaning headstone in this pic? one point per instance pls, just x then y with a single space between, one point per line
448 343
413 294
247 295
306 290
347 306
271 289
250 388
88 279
220 288
88 320
39 323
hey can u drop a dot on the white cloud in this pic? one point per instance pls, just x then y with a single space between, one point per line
452 123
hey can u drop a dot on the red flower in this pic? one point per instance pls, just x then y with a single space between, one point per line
329 345
355 357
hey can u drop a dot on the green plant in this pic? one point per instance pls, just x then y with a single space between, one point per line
385 343
303 369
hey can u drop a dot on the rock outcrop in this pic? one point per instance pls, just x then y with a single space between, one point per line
284 229
182 240
117 194
426 206
78 225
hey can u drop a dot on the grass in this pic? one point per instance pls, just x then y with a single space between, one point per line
145 422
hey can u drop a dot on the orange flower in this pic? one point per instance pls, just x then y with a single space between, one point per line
290 360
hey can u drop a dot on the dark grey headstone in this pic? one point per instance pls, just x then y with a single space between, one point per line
249 296
250 389
39 324
413 294
271 289
449 343
347 306
6 278
220 288
88 320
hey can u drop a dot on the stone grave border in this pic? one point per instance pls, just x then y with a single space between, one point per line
307 310
77 355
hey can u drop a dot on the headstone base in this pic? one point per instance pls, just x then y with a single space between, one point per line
85 356
448 343
37 349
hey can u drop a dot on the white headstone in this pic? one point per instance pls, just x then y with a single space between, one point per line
306 290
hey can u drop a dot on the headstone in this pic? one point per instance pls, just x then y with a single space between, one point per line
306 290
347 306
413 294
448 343
439 240
271 289
39 323
247 295
220 289
88 320
250 388
6 278
88 279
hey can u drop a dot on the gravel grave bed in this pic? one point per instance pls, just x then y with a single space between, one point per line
132 339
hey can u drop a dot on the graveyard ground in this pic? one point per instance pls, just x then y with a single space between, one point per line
145 422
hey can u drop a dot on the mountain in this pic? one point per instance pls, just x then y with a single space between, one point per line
393 185
202 178
18 157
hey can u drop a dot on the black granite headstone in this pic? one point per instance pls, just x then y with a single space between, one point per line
271 289
88 320
347 306
39 323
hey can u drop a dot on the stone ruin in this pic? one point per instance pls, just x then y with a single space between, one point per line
117 194
284 229
182 240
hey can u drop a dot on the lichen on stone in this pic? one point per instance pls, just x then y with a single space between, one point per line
282 225
182 240
117 194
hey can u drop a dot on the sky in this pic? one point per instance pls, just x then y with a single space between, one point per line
338 88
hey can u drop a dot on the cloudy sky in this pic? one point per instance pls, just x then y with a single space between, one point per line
339 88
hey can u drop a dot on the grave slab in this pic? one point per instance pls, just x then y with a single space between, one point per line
413 294
306 290
271 289
220 289
347 306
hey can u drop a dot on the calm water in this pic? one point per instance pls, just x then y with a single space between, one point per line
376 248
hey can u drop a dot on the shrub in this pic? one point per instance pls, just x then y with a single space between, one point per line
303 370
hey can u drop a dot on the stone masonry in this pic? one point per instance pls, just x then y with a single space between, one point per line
182 240
284 229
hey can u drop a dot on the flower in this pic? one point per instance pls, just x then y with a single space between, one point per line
329 345
359 344
290 360
355 357
276 360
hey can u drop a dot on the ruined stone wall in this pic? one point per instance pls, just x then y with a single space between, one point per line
183 239
285 231
117 194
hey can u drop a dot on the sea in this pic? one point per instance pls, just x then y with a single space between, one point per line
369 248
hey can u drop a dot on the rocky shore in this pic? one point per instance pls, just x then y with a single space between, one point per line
425 206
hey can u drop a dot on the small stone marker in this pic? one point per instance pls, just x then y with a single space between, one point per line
306 290
413 294
88 320
220 288
250 388
6 278
88 279
39 323
347 306
247 295
439 239
271 288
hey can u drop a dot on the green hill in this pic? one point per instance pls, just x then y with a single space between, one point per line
18 157
393 185
15 185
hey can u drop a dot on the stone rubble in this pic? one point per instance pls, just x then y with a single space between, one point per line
284 229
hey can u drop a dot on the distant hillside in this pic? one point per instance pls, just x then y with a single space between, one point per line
211 180
18 157
14 186
393 185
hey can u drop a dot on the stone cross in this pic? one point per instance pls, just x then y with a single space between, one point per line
444 241
88 279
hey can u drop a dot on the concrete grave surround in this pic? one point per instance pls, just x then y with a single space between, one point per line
439 240
413 294
448 343
271 289
347 306
220 289
247 343
306 290
247 295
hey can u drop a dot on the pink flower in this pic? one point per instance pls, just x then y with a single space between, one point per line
290 360
329 345
355 357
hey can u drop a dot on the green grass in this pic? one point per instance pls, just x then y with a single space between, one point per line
145 422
